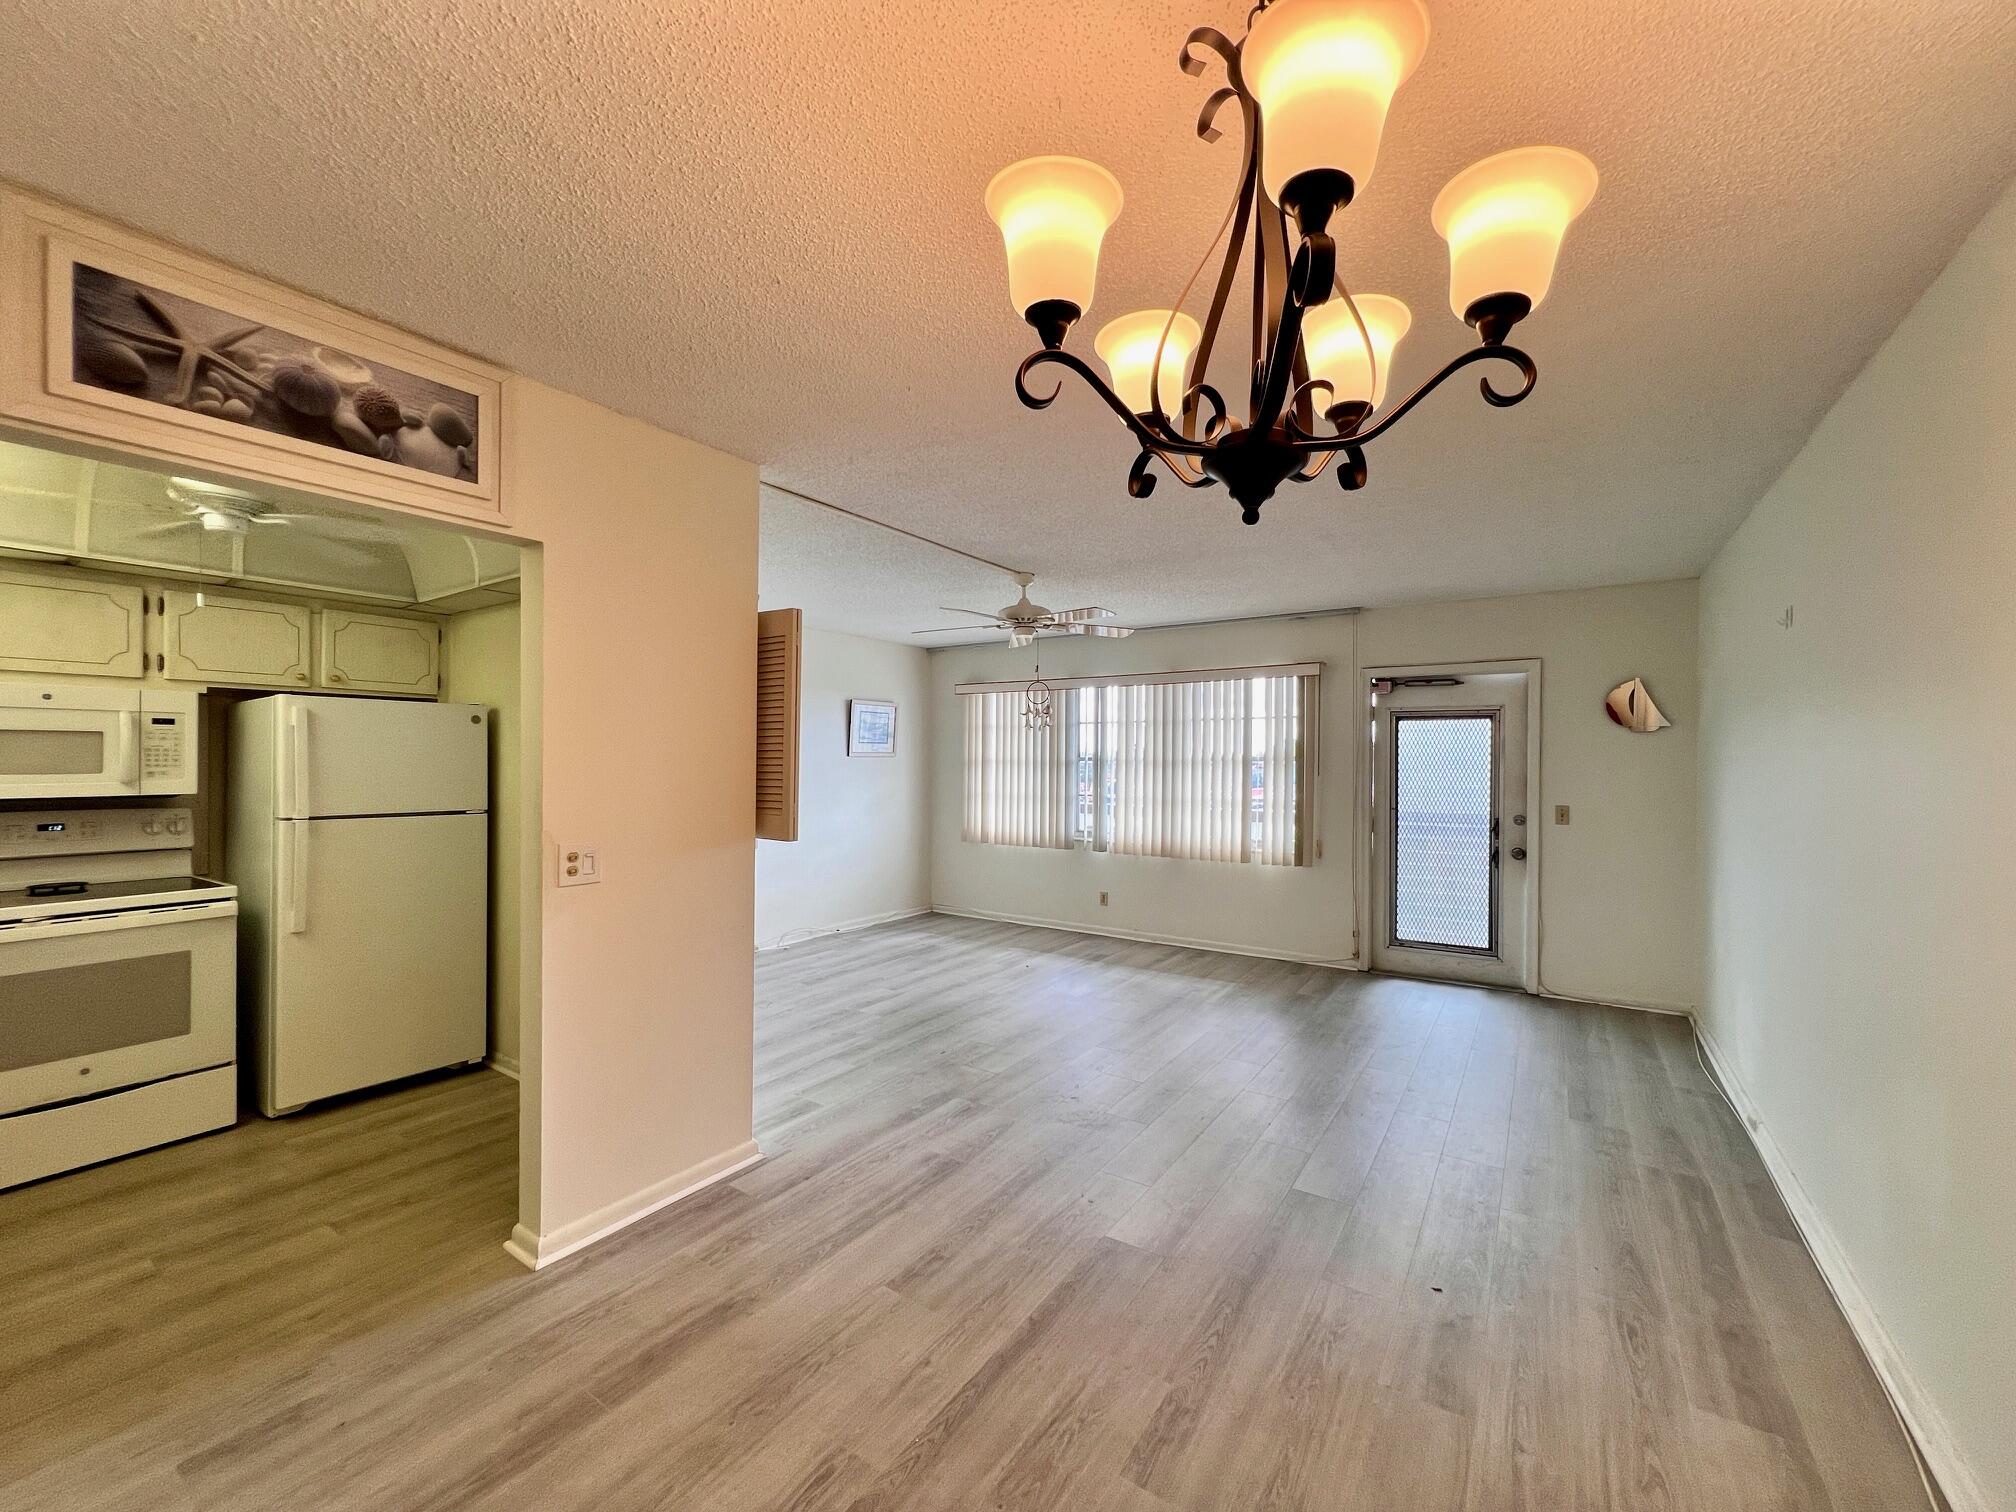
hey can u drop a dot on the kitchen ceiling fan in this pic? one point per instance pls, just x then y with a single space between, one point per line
232 511
1025 621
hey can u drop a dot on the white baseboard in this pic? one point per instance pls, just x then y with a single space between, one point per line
537 1251
792 937
1671 1010
1935 1439
508 1064
1220 946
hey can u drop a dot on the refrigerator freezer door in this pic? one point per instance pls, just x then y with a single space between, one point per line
379 953
346 756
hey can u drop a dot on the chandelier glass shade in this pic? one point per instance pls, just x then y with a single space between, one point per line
1053 213
1311 83
1349 345
1131 346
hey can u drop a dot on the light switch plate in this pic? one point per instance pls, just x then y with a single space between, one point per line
579 866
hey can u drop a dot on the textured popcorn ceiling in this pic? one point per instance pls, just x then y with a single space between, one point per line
759 224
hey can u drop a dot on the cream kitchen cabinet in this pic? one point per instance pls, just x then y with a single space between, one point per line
71 627
378 653
238 642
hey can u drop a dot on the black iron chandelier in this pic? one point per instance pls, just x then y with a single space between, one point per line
1312 81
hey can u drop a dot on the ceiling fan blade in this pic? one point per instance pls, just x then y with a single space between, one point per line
994 615
948 630
1116 632
1079 616
167 527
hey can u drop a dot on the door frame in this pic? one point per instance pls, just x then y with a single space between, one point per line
1367 803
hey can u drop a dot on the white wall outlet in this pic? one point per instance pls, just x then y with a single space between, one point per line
1102 900
579 865
1560 813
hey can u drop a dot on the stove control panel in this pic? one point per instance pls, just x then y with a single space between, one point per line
89 832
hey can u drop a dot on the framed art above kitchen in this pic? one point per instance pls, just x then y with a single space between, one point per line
111 338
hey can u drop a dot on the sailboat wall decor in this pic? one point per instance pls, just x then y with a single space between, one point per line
1631 706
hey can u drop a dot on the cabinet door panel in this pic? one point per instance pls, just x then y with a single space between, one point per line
71 627
376 653
213 639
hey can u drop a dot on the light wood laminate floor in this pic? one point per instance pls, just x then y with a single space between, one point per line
1048 1221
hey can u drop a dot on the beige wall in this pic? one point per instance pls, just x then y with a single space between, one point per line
480 664
863 850
1619 894
1860 849
637 1039
1619 885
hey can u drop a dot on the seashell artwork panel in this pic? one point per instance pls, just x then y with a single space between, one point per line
144 342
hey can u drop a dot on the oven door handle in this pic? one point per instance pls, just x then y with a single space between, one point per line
85 924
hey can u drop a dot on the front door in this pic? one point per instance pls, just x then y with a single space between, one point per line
1452 875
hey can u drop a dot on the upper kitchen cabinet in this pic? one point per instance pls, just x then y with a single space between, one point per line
206 637
111 339
71 627
377 653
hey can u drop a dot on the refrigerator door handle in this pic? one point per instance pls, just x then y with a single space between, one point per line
296 877
297 761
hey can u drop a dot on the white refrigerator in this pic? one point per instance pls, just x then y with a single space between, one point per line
358 836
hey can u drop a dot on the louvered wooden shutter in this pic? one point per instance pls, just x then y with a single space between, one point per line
778 636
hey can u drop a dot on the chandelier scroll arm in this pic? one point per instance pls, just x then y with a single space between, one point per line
1207 118
1141 482
1239 220
1158 439
1216 41
1309 283
1366 435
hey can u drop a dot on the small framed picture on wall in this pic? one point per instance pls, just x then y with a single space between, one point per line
871 727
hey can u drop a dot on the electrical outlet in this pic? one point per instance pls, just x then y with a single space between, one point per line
579 866
1560 813
1102 900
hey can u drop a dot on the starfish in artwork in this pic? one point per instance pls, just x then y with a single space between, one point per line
193 355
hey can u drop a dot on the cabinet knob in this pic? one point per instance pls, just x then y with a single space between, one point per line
335 677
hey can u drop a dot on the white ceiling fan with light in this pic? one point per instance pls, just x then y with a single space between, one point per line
1024 621
222 510
233 511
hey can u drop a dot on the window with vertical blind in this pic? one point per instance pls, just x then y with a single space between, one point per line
1198 766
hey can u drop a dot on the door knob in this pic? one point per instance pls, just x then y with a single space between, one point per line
1518 853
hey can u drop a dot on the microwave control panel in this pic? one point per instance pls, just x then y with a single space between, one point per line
167 742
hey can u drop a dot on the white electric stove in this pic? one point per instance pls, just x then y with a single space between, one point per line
118 988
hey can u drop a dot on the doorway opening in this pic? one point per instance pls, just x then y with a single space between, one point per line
1454 864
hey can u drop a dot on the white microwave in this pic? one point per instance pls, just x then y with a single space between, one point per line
74 740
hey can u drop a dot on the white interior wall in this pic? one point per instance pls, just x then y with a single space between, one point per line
1858 827
480 665
1619 891
863 850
